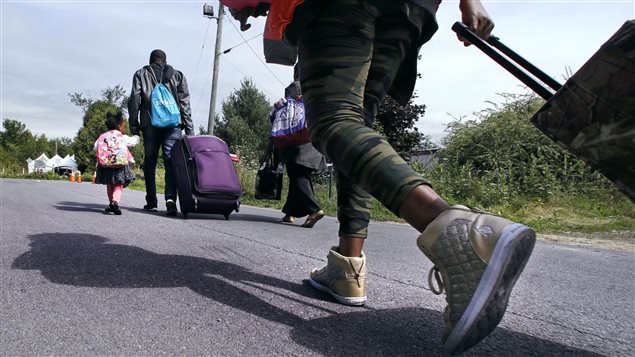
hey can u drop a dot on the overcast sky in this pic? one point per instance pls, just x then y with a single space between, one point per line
51 48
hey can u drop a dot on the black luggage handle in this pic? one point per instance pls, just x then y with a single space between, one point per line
493 42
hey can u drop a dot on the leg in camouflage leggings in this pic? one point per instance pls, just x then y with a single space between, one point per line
347 64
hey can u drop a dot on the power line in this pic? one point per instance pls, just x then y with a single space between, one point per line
242 43
254 52
202 92
202 48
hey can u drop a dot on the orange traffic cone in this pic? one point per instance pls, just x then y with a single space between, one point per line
72 177
79 177
94 176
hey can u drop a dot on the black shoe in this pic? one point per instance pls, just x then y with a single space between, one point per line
109 209
115 208
150 207
171 208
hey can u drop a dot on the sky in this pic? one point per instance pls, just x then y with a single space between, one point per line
51 48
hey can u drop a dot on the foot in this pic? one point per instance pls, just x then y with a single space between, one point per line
150 207
109 209
342 277
312 219
171 205
115 208
479 257
288 219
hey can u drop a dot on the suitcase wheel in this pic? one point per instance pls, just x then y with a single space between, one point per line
184 215
226 216
237 209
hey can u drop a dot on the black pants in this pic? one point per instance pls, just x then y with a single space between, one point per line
301 199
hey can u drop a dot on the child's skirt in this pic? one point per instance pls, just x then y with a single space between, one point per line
114 176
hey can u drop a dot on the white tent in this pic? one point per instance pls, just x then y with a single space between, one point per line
44 164
54 162
67 163
40 164
29 164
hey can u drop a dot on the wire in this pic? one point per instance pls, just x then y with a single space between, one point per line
202 48
202 92
246 76
254 52
231 48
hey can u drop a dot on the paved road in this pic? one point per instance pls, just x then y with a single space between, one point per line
78 282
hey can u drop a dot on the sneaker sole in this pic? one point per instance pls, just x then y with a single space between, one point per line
489 302
346 300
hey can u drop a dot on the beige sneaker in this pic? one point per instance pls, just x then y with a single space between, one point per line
480 256
342 277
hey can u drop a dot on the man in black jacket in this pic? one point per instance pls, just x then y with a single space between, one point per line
139 109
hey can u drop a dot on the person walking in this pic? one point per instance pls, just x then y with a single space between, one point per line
302 162
351 53
114 160
154 138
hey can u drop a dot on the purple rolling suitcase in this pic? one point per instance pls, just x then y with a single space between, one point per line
205 176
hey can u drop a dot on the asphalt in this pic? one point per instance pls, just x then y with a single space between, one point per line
76 281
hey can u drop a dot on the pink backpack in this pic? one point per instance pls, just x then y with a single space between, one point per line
112 150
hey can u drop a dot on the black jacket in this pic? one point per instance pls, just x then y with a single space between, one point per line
143 82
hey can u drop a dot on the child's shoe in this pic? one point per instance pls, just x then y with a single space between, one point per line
342 277
109 209
479 257
115 208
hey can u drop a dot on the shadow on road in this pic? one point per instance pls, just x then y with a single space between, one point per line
90 261
411 332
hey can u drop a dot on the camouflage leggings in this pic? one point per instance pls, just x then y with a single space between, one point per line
348 59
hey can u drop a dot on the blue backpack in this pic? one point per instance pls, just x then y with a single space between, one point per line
165 112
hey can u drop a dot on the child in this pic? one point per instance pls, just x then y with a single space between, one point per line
114 159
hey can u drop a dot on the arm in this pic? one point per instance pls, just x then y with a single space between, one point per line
131 140
474 15
243 13
134 103
184 106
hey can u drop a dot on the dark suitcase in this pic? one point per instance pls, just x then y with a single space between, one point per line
205 176
593 114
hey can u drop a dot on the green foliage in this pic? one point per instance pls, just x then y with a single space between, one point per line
501 156
114 95
397 124
245 125
94 125
17 144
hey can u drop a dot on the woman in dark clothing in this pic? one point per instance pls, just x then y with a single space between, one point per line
301 162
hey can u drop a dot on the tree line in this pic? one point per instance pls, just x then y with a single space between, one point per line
493 157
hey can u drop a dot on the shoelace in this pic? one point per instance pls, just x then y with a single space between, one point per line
437 275
356 273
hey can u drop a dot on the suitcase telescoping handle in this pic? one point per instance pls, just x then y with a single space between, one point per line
490 48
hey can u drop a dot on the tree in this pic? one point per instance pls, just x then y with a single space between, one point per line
398 124
17 144
245 126
114 95
94 125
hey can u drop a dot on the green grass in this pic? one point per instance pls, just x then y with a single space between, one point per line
609 211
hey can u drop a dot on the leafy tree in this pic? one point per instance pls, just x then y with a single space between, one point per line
114 95
93 126
16 144
245 125
397 124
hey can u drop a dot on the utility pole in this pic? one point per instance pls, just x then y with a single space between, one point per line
212 101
